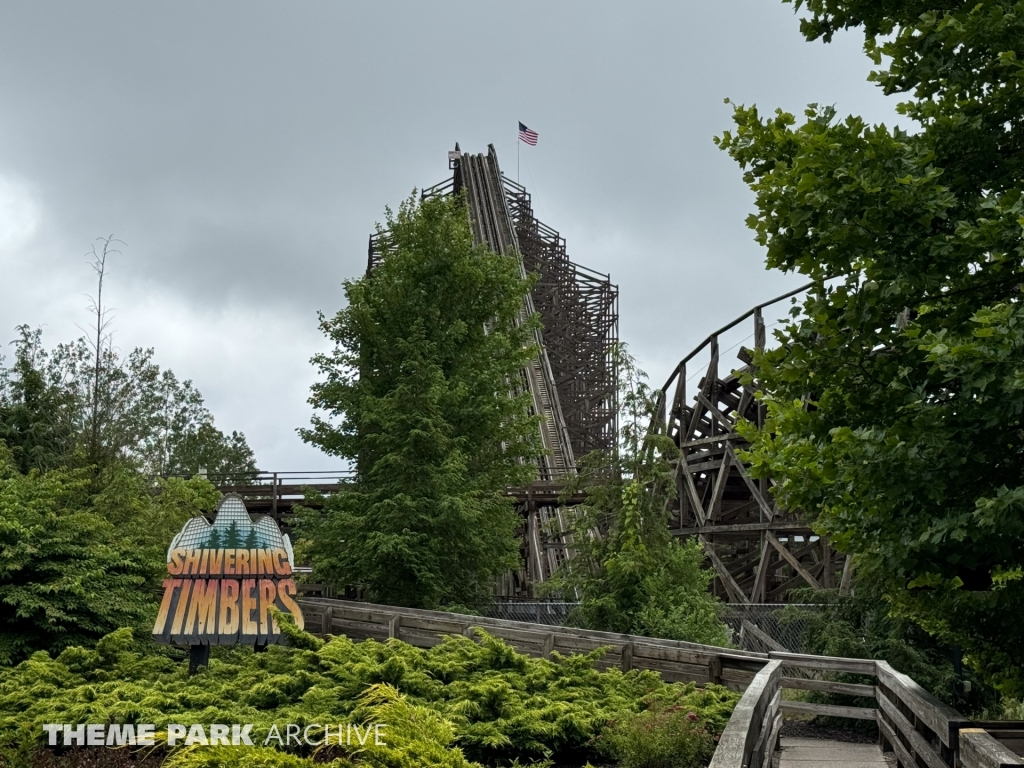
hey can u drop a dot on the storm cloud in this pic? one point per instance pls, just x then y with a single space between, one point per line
244 150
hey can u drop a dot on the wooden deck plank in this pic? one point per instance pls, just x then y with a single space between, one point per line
811 753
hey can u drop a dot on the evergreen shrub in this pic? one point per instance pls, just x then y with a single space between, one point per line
461 703
660 737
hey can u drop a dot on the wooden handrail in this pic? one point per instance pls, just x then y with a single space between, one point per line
919 728
749 738
980 749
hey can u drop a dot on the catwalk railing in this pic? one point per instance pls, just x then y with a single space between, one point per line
922 731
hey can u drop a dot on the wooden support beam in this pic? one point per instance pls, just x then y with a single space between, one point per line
691 491
789 526
789 558
830 710
755 492
716 496
716 414
757 591
626 658
752 629
844 583
734 590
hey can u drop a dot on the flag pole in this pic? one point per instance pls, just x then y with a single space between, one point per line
517 157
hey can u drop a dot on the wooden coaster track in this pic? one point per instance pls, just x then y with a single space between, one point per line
758 551
571 381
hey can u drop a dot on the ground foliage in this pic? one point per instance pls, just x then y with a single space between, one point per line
629 572
896 394
416 394
861 626
662 736
461 703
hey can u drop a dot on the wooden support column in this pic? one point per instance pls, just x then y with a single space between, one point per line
198 656
757 592
789 558
844 583
715 670
548 646
327 620
627 657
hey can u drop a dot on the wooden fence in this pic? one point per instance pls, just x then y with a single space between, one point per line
921 730
990 746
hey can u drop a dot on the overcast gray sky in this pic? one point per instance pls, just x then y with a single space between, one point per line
244 150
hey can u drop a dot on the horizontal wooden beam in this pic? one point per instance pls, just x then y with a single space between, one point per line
781 525
830 710
978 749
829 686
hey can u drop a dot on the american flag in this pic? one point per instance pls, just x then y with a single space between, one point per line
525 134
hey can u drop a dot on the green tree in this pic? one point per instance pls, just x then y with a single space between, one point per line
67 576
861 626
630 573
416 394
150 419
895 396
36 417
83 404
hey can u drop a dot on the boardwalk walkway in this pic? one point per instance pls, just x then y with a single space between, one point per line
920 729
812 753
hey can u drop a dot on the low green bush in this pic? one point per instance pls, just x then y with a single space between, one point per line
461 703
660 737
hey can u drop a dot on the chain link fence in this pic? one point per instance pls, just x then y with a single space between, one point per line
551 612
755 627
758 627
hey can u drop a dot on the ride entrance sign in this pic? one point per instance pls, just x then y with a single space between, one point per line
223 580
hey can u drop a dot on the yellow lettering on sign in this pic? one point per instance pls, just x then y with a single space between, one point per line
174 561
266 562
249 626
179 612
281 565
202 610
170 586
191 566
228 624
216 562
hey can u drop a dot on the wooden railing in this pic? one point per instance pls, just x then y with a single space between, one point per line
752 732
921 730
674 660
986 747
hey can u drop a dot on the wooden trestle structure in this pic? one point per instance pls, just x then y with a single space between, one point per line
572 379
758 551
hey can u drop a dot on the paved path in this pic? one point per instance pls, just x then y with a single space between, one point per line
811 753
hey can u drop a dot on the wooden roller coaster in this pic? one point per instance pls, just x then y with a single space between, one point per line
758 551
